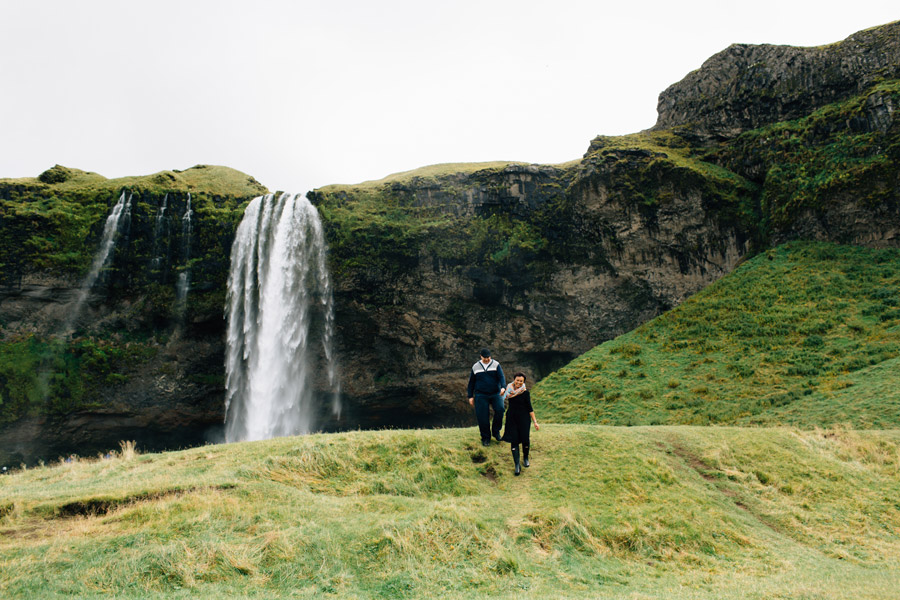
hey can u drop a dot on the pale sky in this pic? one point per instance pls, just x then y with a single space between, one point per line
301 94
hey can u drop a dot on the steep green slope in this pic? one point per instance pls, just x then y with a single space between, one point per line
872 392
663 512
794 336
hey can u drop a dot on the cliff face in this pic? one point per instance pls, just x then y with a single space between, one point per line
745 87
538 262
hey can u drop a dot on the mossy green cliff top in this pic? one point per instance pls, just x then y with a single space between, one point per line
51 223
208 179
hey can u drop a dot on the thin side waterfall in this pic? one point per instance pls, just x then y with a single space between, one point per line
119 218
184 278
280 312
158 231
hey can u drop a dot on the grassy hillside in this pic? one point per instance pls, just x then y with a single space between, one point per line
805 334
661 512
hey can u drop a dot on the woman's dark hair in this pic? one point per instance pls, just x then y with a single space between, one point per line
520 374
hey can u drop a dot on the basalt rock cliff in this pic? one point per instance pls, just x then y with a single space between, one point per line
746 86
540 263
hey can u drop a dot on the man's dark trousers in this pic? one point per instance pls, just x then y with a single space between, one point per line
483 402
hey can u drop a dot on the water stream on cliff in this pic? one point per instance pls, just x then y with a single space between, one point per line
279 311
156 261
184 278
119 218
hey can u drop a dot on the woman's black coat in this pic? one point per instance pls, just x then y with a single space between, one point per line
518 419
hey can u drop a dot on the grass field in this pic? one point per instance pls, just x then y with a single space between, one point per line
604 512
806 334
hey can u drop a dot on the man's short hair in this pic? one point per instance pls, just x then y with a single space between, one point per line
485 353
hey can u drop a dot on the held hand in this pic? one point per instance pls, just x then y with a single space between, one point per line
502 391
471 401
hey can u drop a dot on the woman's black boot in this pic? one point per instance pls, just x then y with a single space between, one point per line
515 452
525 456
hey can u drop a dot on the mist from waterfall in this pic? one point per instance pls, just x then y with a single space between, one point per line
280 312
119 218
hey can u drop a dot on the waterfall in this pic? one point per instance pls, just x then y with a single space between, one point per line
184 278
156 261
119 217
279 307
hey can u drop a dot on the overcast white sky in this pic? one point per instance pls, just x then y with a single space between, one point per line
306 93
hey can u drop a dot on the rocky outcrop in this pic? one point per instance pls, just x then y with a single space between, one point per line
748 86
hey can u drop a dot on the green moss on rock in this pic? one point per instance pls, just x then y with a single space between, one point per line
848 150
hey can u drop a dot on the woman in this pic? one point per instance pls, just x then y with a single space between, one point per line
519 416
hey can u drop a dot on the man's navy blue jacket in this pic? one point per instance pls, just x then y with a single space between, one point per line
486 379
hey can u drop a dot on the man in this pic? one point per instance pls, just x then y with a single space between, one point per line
486 384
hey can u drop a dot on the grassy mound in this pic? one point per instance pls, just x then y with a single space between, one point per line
804 334
674 512
50 222
210 179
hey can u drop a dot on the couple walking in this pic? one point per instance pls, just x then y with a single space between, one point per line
487 389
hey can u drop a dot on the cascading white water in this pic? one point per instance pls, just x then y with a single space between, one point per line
184 278
156 261
120 215
279 306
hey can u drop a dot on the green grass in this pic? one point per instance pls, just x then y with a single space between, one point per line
796 336
667 146
870 393
210 179
659 512
422 173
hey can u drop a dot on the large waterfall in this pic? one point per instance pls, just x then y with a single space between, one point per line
280 322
